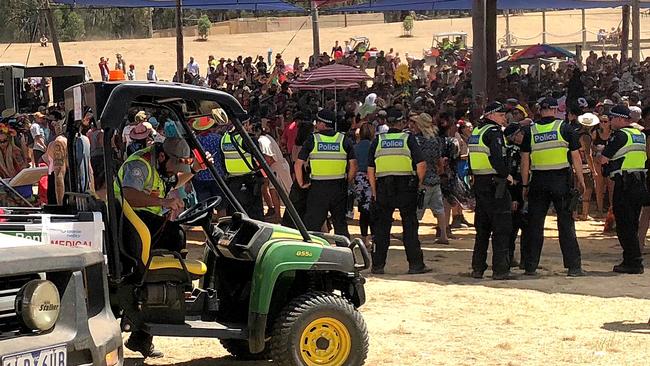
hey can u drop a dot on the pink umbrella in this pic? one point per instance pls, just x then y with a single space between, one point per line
335 74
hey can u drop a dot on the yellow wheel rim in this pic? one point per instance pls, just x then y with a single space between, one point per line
325 342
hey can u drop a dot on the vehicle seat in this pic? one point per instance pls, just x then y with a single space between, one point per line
161 268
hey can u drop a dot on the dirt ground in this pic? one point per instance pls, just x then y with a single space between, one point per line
448 318
562 26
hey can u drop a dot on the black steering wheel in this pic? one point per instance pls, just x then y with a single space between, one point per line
198 211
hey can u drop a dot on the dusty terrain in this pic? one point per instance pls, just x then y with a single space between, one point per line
564 26
447 318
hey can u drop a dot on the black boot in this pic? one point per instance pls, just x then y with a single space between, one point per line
140 341
464 221
456 222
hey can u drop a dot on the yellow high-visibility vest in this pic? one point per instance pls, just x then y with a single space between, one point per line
393 156
549 150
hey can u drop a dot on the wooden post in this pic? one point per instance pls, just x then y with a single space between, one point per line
543 27
54 37
636 32
584 29
491 48
315 30
180 59
625 36
479 76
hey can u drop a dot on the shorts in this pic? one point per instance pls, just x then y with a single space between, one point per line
432 201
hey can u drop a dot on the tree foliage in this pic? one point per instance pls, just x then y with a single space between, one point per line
73 28
203 26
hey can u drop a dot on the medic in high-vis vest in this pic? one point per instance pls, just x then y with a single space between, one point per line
396 170
333 167
549 149
625 156
493 218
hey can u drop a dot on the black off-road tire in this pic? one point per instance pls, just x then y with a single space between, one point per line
290 324
239 349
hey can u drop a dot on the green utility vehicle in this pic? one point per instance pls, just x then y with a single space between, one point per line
266 291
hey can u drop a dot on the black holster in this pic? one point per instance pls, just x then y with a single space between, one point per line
500 187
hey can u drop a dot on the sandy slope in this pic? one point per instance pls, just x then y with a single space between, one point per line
447 318
162 51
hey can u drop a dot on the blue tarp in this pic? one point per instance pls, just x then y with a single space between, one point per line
250 5
424 5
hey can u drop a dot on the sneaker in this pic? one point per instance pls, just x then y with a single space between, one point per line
477 274
530 273
575 272
622 268
421 270
377 271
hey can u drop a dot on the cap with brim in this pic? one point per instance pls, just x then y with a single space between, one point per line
10 112
548 103
619 111
154 122
141 131
608 102
177 149
512 129
494 107
326 116
521 108
202 123
588 120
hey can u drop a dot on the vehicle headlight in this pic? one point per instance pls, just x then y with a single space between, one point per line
38 305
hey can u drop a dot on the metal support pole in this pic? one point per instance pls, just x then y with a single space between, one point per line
543 27
491 48
54 37
508 36
315 30
636 32
584 29
179 42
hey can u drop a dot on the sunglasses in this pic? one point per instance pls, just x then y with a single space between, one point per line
186 161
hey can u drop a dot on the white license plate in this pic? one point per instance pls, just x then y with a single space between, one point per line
51 356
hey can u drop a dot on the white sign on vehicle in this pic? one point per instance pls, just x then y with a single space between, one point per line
52 356
74 234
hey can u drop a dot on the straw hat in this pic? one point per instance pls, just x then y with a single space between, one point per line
220 116
588 120
202 123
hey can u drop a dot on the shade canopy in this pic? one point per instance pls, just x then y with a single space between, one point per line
540 51
250 5
328 77
400 5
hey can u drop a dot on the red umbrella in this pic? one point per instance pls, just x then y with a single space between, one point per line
323 85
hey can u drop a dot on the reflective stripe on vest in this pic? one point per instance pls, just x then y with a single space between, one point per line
153 184
328 159
549 150
393 156
479 153
235 164
633 152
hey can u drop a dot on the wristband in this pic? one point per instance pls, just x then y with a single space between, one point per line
525 185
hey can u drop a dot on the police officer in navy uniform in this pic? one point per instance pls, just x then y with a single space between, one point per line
549 148
333 166
242 178
396 169
625 156
493 216
513 138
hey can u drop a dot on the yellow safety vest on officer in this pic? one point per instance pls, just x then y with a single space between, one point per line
153 184
393 156
549 150
328 158
235 164
632 154
479 153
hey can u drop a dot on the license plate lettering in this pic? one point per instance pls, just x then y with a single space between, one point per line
54 356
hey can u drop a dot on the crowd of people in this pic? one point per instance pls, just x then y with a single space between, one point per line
404 142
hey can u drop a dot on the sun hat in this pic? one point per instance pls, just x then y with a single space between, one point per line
141 131
588 120
422 118
220 116
202 123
